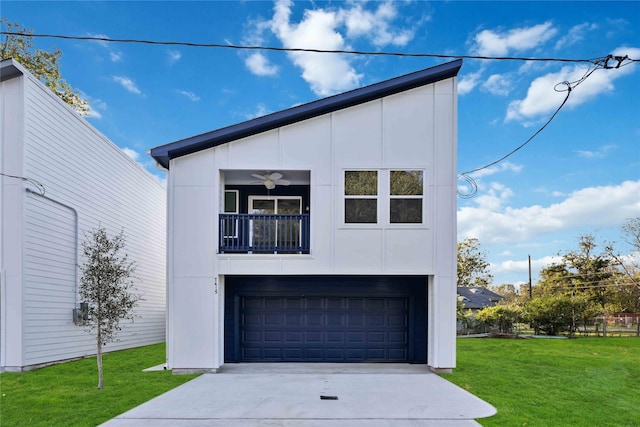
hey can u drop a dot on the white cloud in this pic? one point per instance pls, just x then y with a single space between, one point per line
498 84
259 65
543 99
522 266
468 82
575 35
131 153
329 28
95 107
192 96
261 110
495 43
173 56
102 43
494 223
114 55
597 154
326 73
497 168
376 25
128 84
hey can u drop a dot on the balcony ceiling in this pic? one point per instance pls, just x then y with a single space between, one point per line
244 177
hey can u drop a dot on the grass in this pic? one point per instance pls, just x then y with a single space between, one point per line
67 394
553 382
532 382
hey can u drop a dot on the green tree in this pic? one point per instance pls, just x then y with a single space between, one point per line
591 273
473 267
629 265
44 64
550 314
502 315
106 286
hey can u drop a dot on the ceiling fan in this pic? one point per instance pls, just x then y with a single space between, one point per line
270 180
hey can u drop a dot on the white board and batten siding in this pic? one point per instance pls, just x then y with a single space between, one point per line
89 183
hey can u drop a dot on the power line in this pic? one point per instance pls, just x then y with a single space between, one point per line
602 63
293 49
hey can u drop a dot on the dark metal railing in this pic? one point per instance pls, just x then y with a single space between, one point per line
257 233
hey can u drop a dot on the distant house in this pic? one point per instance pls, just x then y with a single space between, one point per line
60 179
475 298
472 299
321 233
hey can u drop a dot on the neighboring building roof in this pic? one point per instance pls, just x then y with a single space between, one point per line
164 153
477 297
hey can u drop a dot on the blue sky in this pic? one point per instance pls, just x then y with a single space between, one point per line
579 175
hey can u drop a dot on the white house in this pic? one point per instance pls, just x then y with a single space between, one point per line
325 232
60 179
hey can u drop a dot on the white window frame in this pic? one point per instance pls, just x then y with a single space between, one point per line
414 197
383 214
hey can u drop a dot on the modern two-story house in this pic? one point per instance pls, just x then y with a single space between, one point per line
321 233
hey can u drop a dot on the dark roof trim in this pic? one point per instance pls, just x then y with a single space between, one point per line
9 69
164 153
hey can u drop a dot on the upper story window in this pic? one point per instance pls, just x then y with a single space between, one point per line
398 194
361 197
405 196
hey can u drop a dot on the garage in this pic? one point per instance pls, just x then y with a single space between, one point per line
325 319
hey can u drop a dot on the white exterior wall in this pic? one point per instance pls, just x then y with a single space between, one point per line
89 183
415 129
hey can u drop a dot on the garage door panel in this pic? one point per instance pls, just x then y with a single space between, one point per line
293 337
324 320
324 329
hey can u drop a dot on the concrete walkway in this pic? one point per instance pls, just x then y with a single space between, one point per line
312 395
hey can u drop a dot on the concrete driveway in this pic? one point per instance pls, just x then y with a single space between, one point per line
312 395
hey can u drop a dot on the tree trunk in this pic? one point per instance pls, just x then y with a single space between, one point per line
99 360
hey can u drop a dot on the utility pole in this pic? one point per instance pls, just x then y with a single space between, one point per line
530 292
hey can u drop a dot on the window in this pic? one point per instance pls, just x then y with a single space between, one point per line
364 193
231 201
361 197
405 196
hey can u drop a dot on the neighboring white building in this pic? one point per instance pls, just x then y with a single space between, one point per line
325 232
88 182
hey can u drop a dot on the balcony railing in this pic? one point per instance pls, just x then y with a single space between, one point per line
257 233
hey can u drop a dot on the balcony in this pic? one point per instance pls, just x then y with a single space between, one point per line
264 233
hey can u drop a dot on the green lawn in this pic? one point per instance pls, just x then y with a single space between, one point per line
553 382
533 382
67 394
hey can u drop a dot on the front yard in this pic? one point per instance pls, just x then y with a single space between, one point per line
553 382
66 394
532 382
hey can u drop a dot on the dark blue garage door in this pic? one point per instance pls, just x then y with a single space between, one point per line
325 319
324 329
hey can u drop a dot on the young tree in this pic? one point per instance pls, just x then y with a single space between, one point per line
43 64
473 268
106 286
